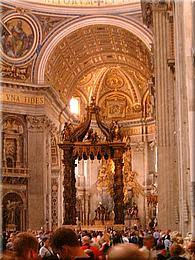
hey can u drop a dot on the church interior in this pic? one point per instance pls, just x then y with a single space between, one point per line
97 112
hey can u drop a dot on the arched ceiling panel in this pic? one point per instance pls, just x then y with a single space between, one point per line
92 48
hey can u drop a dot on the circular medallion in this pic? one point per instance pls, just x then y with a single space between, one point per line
137 107
19 38
114 81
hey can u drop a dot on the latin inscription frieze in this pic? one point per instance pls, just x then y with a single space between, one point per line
21 98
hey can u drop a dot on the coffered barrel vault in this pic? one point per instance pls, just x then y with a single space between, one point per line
95 46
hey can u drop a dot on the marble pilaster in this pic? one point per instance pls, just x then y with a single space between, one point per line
165 117
37 168
184 29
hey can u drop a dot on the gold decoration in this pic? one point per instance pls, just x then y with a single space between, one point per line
48 23
17 73
137 107
130 178
116 107
85 79
87 48
106 176
12 125
113 80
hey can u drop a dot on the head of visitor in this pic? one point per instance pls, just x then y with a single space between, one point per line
125 252
26 246
191 247
46 240
86 240
176 250
65 243
149 241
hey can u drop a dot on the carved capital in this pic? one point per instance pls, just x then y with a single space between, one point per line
36 122
160 5
41 123
51 127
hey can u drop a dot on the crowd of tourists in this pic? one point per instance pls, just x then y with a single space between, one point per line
68 244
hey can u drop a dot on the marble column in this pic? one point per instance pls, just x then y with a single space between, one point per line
168 179
184 29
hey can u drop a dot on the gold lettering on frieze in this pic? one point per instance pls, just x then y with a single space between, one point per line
21 98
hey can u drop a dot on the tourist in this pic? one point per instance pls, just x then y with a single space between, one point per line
126 252
65 244
148 247
86 244
105 245
191 250
176 251
10 242
25 247
46 250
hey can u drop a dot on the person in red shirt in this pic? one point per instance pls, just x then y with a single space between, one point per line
86 244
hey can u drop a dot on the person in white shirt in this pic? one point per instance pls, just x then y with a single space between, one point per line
46 249
148 248
167 243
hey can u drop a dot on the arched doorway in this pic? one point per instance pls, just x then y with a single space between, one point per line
14 218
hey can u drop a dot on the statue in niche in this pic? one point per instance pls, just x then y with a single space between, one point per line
11 207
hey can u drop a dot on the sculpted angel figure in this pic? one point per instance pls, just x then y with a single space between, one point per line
67 131
130 178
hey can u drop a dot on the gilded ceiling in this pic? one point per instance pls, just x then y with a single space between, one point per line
104 61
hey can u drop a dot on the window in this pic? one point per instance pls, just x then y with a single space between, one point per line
74 105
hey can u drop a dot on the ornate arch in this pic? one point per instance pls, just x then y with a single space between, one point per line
134 27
